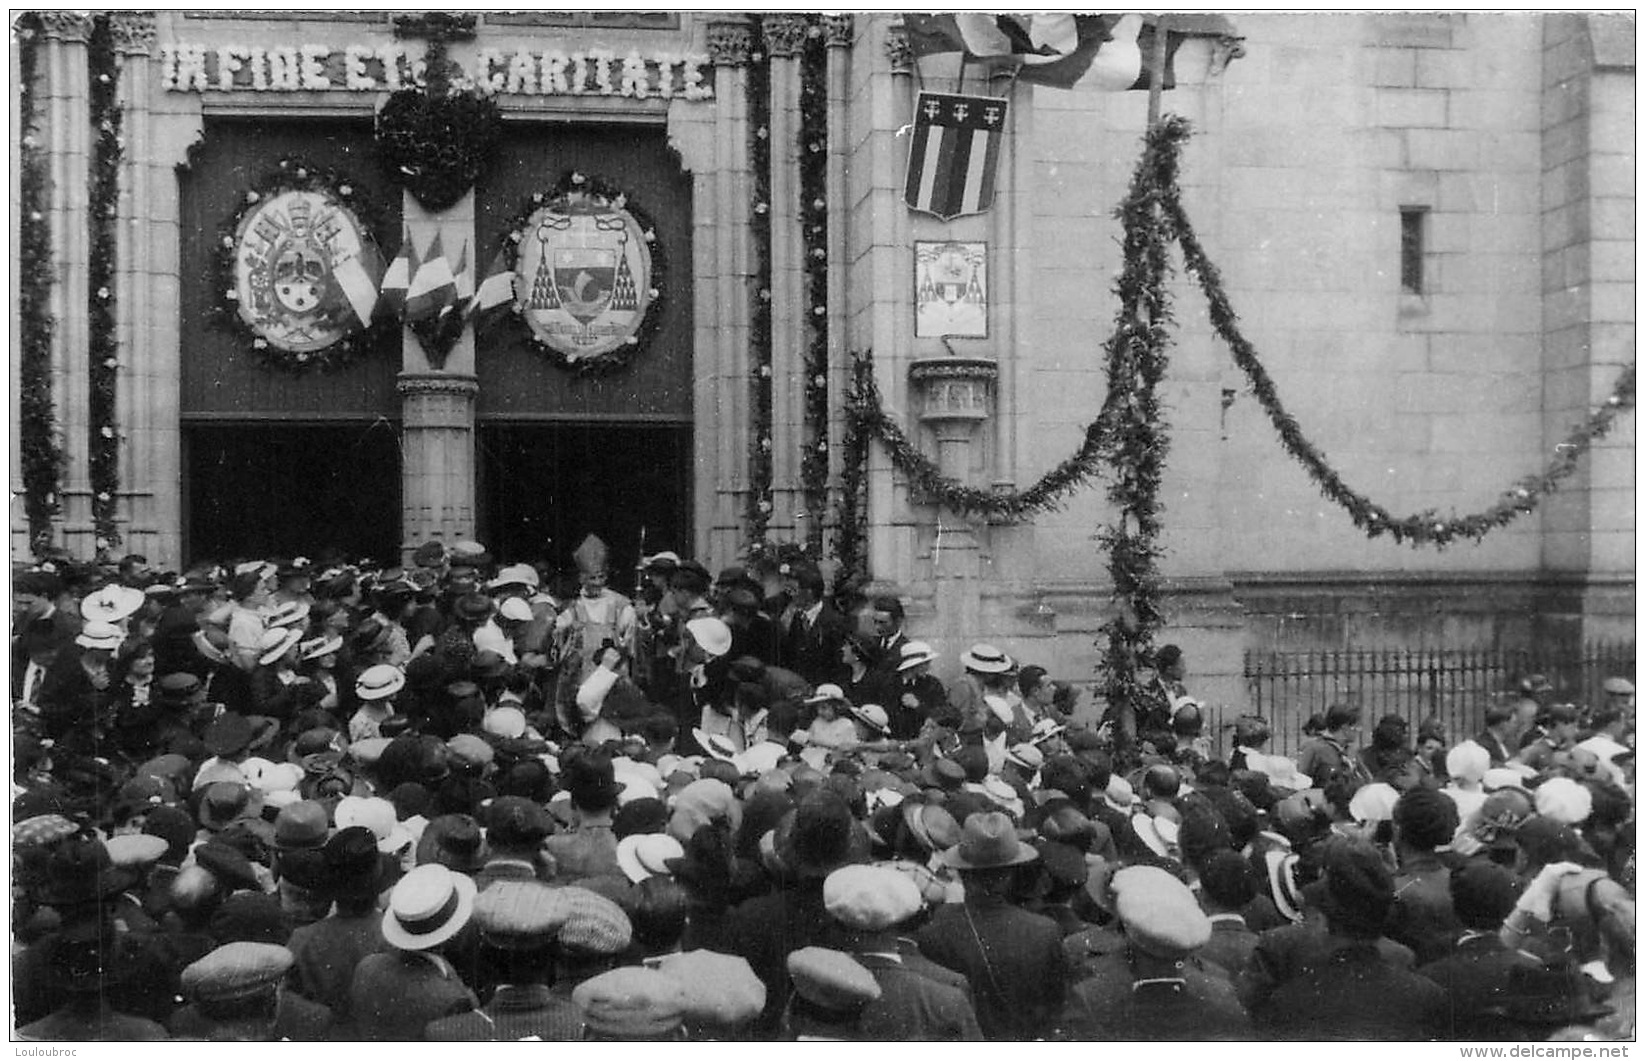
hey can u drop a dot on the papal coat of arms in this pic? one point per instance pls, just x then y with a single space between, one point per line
583 277
305 271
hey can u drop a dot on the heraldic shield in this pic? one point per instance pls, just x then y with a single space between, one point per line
584 275
305 271
954 154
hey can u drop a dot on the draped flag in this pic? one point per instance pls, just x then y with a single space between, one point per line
1107 52
391 301
356 276
953 154
495 294
432 287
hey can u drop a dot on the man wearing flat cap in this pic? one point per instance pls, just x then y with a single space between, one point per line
236 996
517 921
869 903
1154 988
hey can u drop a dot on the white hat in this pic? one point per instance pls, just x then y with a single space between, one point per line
276 642
1026 756
762 758
1468 761
711 634
515 575
1044 729
825 692
1564 801
643 855
1119 794
374 813
1373 802
1159 835
516 609
290 613
715 745
323 645
427 907
504 720
112 603
101 635
986 659
914 653
379 682
873 715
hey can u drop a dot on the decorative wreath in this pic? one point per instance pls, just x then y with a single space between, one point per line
603 193
296 175
437 145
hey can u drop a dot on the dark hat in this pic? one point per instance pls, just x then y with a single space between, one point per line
175 827
644 815
1065 865
1483 893
973 759
515 822
591 781
370 636
250 917
945 774
473 607
178 686
229 865
455 841
1359 889
303 824
228 735
222 802
410 800
353 866
461 794
38 583
1544 840
429 554
988 840
79 870
824 836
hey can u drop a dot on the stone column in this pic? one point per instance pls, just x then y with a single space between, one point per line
785 39
956 398
840 31
67 133
721 253
437 403
135 404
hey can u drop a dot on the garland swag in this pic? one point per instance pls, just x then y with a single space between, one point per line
759 339
40 454
103 341
814 235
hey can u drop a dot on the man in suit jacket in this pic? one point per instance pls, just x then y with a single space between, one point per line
811 643
43 629
869 902
1012 958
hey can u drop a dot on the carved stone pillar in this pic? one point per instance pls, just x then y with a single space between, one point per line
437 478
139 398
840 33
956 397
785 39
67 134
720 250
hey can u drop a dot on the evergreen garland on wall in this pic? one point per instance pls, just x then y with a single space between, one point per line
103 341
814 235
759 339
40 455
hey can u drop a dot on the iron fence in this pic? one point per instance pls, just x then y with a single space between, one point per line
1453 686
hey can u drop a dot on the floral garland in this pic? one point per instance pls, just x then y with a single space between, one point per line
602 190
852 522
759 339
1422 528
40 454
103 343
288 175
814 236
1137 440
434 140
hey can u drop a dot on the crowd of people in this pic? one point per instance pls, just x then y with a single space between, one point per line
463 800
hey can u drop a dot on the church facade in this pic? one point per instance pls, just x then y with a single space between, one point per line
1424 222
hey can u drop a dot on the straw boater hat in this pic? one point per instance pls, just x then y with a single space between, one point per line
111 604
379 682
915 653
97 634
323 645
275 643
986 659
428 906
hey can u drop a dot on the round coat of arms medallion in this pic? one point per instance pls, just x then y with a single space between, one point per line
306 271
583 279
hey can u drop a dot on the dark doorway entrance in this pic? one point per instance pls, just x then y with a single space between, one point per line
545 486
293 490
